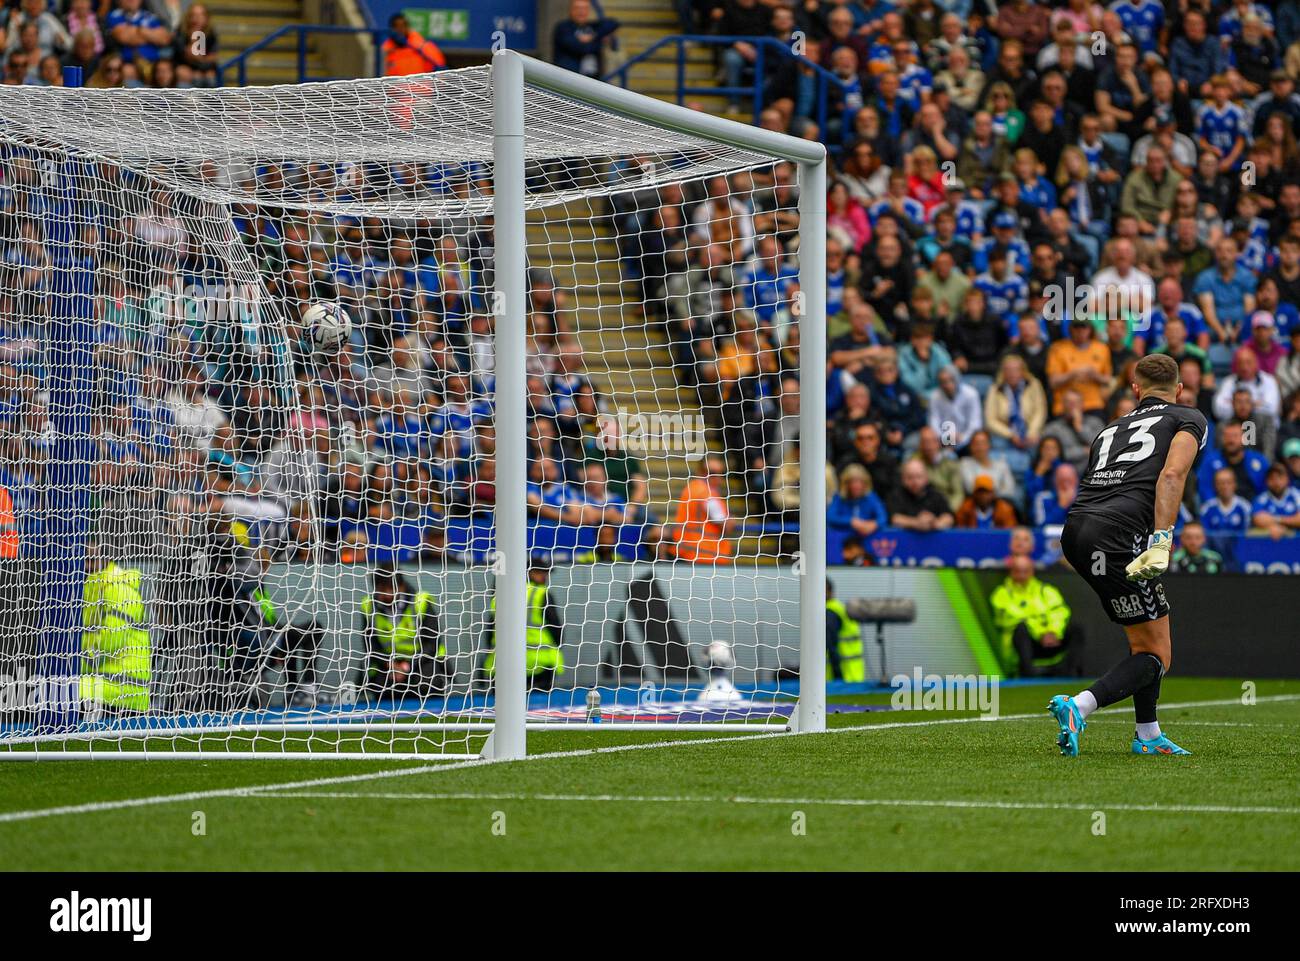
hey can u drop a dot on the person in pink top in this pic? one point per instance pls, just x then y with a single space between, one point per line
846 214
1263 341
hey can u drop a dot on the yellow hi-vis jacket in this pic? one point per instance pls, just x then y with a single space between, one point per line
115 640
1039 606
543 651
400 637
849 644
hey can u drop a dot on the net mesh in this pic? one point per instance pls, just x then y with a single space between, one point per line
235 534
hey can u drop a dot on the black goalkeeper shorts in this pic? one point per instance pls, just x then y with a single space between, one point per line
1099 548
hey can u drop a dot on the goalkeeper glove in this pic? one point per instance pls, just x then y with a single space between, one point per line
1154 561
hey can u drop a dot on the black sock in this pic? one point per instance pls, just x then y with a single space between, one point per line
1126 678
1144 702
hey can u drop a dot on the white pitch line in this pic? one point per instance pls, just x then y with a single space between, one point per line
98 807
1182 723
791 802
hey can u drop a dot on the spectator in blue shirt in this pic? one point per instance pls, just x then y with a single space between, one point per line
549 498
1194 57
900 407
580 41
1233 19
767 285
1143 20
603 509
1277 508
1051 505
1172 309
138 33
1227 512
856 511
1247 465
1005 291
1225 293
400 431
869 15
921 359
1005 228
1222 125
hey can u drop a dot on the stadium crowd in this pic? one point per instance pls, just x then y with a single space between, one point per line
1024 200
115 43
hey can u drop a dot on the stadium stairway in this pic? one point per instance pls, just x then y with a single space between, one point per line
627 359
642 23
242 23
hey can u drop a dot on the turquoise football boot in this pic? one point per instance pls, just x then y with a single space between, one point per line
1071 722
1157 745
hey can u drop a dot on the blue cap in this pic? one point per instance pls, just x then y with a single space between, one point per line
1005 218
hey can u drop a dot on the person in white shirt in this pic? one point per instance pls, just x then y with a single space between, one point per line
1122 288
956 410
1246 375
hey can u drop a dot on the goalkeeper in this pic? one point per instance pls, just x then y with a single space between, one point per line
402 631
1117 536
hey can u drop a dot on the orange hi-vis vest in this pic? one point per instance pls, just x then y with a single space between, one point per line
8 526
418 56
700 537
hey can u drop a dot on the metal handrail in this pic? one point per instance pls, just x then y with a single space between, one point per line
764 47
239 62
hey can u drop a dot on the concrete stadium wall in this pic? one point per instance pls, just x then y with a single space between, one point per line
756 611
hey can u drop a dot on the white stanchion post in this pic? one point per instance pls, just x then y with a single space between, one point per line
509 736
812 447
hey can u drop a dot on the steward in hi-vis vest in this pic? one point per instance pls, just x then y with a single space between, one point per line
115 655
844 660
1035 636
543 659
407 656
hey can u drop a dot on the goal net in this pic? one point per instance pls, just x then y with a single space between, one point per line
549 478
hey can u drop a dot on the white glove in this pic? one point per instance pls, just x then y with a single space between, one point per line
1153 561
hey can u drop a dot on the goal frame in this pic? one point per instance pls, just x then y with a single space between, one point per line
511 75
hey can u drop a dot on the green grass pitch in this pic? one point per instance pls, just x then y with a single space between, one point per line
925 791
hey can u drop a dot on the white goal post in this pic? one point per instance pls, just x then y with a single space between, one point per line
235 542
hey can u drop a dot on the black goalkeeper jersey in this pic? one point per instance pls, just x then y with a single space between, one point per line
1127 457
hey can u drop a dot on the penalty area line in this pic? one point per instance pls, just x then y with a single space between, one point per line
99 807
